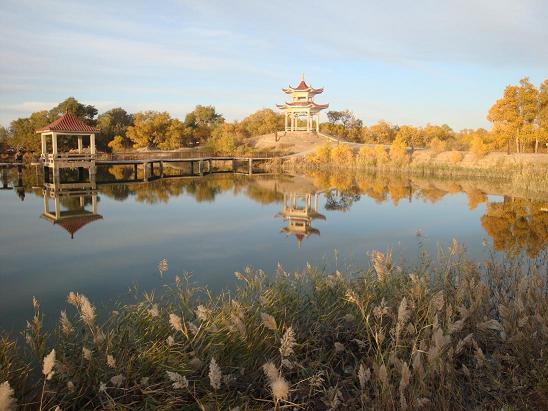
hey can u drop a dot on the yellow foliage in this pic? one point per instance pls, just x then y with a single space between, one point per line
342 155
381 156
366 156
323 154
478 147
455 157
437 146
398 151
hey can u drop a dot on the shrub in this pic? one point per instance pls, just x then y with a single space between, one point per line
398 152
366 156
478 147
342 155
437 146
455 157
381 156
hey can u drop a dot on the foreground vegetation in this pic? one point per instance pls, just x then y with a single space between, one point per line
454 335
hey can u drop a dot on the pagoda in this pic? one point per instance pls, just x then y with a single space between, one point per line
302 113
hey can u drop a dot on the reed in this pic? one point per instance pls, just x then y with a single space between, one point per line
450 334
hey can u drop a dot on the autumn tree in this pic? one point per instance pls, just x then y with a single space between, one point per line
542 116
515 116
152 129
264 121
412 136
381 133
227 138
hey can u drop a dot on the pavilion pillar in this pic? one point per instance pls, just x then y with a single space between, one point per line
318 122
44 144
80 145
92 144
94 204
54 143
57 207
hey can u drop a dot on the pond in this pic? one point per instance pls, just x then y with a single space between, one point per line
102 242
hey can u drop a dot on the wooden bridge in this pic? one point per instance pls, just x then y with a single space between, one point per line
198 166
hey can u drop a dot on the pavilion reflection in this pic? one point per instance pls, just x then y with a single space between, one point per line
13 183
71 206
298 211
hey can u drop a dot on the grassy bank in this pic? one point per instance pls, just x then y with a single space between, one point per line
453 335
529 171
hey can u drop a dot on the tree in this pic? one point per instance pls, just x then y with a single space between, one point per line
412 136
113 124
382 133
201 121
152 129
3 135
86 113
227 138
514 116
542 116
527 98
264 121
23 131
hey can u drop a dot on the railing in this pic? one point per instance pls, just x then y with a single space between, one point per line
69 157
176 155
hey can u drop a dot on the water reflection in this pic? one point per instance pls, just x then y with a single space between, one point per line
298 211
515 221
13 184
70 206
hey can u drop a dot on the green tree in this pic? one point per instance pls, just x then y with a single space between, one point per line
113 123
201 121
23 131
86 113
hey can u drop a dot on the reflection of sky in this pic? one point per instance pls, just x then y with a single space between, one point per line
211 240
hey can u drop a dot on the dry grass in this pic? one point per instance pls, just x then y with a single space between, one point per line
450 335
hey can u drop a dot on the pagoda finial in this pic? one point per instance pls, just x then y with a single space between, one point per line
302 76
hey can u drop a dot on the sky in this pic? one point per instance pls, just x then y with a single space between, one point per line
407 62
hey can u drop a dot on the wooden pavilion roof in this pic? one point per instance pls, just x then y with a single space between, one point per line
68 123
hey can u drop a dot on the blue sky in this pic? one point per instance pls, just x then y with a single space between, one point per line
402 61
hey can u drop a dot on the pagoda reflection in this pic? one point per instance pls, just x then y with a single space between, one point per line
298 211
71 206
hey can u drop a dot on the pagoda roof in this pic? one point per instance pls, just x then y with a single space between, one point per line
306 104
72 224
68 123
302 86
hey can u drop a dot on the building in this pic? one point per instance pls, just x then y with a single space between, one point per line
69 128
302 113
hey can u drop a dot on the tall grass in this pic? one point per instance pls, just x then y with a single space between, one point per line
449 335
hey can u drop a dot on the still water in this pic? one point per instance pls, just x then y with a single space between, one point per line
101 242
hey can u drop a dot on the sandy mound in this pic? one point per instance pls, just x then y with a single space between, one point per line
289 142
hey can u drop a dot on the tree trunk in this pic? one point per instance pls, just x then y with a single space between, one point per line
536 145
517 145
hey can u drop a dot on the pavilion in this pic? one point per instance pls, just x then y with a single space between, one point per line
302 108
68 125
